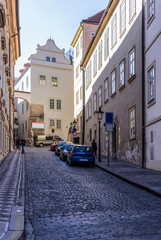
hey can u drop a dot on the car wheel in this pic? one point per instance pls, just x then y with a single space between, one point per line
41 144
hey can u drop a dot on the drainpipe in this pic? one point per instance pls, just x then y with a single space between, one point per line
83 130
143 88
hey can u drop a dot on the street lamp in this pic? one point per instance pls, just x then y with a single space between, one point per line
99 112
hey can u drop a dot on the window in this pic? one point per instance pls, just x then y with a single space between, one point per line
77 97
23 129
90 134
132 8
54 82
122 73
48 59
114 30
22 108
53 59
58 104
77 50
88 75
22 86
106 43
25 125
81 93
95 102
151 9
51 123
151 84
81 41
106 90
113 78
90 108
151 136
95 131
100 97
77 71
122 17
27 82
58 124
132 63
51 103
27 106
95 63
132 122
100 54
42 80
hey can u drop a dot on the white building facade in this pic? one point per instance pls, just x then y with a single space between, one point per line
153 83
49 81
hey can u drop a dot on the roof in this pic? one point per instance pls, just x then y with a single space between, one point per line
95 18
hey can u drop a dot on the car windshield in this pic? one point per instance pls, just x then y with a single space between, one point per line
82 149
61 143
67 146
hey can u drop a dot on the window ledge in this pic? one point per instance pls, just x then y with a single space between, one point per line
122 87
100 66
150 21
131 78
106 101
105 57
121 34
113 95
132 138
151 103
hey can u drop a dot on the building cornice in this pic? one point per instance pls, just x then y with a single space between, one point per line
75 39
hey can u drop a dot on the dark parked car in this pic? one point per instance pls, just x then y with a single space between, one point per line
64 150
81 154
58 147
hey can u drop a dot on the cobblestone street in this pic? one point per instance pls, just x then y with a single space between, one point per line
64 202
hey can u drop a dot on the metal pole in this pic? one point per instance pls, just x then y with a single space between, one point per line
108 148
99 156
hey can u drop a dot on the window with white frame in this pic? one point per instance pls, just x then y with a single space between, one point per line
100 96
77 71
106 43
122 73
95 63
58 104
42 80
81 41
87 111
151 84
132 120
51 122
81 93
95 102
132 8
77 97
122 17
100 54
27 82
27 106
51 103
77 50
106 90
113 78
114 30
90 108
22 108
88 75
54 82
22 86
58 124
150 5
132 63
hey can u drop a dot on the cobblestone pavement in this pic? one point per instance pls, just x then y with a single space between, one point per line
70 203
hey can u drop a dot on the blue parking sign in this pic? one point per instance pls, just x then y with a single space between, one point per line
109 118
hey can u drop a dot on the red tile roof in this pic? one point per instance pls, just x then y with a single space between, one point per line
95 18
22 70
26 64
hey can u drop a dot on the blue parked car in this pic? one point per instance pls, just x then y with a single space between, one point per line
81 154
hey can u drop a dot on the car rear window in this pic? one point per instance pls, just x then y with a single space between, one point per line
82 149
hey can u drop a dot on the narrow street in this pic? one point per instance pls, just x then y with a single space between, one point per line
64 202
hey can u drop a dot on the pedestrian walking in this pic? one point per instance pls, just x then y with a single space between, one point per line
94 147
23 142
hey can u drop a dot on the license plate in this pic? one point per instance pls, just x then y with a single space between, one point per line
84 160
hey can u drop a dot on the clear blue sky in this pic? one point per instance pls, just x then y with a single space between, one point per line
58 19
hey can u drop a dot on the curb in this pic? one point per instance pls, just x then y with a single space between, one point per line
130 181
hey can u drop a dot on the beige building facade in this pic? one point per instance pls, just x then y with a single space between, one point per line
113 81
153 84
48 79
9 52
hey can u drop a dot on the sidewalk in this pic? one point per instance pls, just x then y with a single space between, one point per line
144 178
12 196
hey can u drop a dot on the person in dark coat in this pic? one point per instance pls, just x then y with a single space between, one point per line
94 147
23 142
18 142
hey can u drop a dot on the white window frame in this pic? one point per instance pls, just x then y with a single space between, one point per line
52 123
113 81
114 30
132 9
42 79
77 50
151 83
122 17
106 89
58 124
100 96
132 122
132 63
151 9
95 102
52 104
58 104
54 81
77 97
90 108
106 39
122 73
95 63
87 111
100 54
